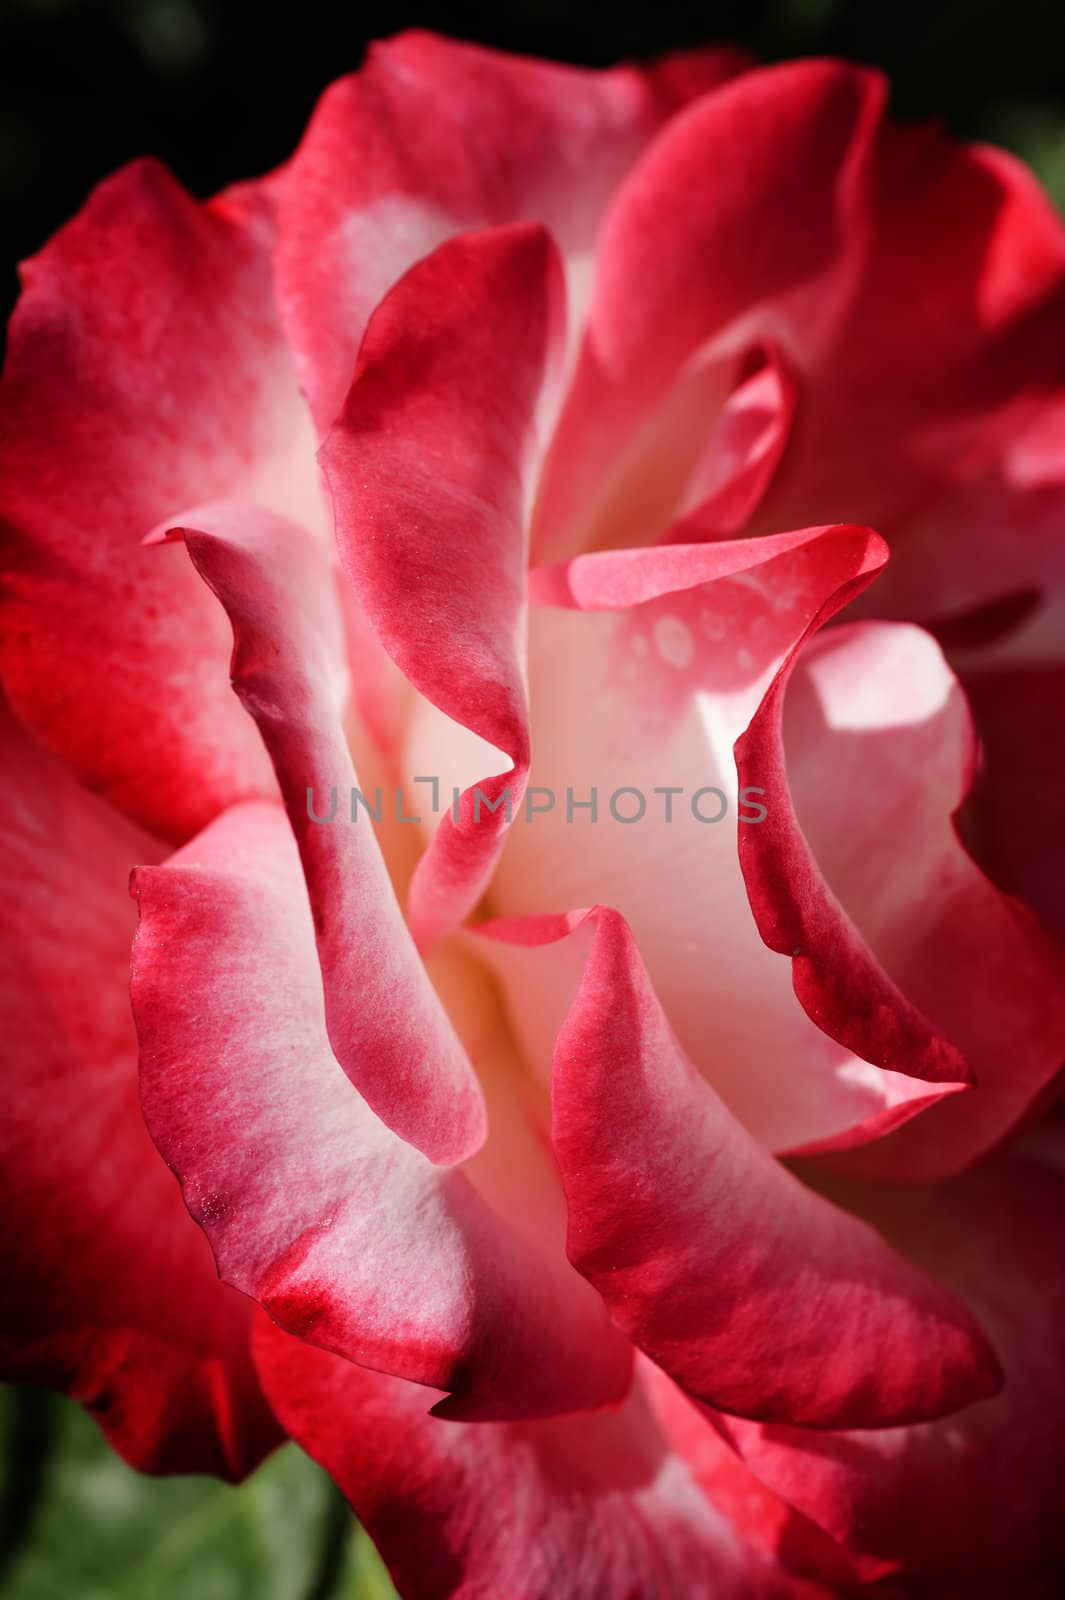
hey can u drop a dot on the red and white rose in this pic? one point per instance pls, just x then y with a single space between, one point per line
616 1206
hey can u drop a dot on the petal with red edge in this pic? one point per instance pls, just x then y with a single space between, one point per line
343 1232
701 461
966 1508
865 764
430 468
146 371
555 1510
744 450
434 137
753 1292
651 694
112 1294
933 410
386 1025
787 142
753 1509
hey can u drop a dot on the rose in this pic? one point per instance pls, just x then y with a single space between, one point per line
692 1208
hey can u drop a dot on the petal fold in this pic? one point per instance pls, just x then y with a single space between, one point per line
434 137
646 666
344 1233
865 762
554 1510
787 142
969 1506
431 467
386 1026
753 1292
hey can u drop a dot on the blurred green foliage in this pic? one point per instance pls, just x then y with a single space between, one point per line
78 1524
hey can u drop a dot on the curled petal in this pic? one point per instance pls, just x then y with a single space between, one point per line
343 1232
742 454
386 1025
933 409
645 668
788 142
753 1292
865 764
431 466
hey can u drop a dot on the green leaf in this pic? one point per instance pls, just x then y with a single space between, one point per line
363 1575
81 1525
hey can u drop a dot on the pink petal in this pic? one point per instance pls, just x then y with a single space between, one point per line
770 1523
859 862
146 371
933 410
750 1290
112 1294
386 1026
653 693
786 143
344 1233
701 460
968 1508
556 1510
732 475
431 467
434 137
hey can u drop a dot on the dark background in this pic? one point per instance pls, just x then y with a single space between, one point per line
220 89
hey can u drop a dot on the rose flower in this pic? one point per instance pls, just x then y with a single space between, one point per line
555 594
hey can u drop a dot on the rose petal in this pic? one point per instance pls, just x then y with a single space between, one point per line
787 143
733 474
112 1294
434 137
555 1510
146 371
343 1232
386 1026
860 837
750 1290
700 461
968 1506
933 411
769 1522
431 468
652 694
